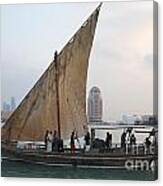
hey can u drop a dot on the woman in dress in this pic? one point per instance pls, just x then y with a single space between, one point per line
49 141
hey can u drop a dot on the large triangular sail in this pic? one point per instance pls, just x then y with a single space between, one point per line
58 99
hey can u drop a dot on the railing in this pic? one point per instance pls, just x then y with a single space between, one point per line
133 149
114 148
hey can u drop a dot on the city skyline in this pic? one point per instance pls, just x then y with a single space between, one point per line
123 70
9 105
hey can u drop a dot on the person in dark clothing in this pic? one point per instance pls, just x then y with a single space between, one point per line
133 140
110 140
72 142
55 141
107 141
87 141
46 138
60 145
147 144
123 140
132 143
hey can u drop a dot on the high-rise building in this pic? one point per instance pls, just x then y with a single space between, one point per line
95 105
6 107
13 105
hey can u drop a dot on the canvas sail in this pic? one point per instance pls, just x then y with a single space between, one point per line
58 99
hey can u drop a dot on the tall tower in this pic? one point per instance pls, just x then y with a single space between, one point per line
95 105
13 105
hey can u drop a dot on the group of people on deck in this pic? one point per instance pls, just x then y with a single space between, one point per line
128 139
52 141
74 136
88 141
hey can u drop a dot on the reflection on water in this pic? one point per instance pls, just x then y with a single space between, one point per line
18 169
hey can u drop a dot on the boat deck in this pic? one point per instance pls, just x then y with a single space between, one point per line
112 159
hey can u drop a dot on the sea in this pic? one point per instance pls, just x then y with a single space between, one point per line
27 170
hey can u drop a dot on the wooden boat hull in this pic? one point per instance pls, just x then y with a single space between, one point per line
101 160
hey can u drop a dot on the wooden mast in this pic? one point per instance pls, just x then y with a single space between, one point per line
57 93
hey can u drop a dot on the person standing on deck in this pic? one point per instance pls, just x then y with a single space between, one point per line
49 142
78 141
127 140
87 141
110 141
147 145
123 140
107 140
72 142
46 138
55 141
133 140
132 143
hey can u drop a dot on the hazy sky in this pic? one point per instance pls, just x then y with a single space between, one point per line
121 62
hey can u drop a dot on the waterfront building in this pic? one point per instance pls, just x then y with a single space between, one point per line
95 105
149 119
131 119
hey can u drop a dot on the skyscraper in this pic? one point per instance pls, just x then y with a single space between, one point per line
13 105
95 105
6 107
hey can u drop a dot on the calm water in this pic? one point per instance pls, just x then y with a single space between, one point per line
19 169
